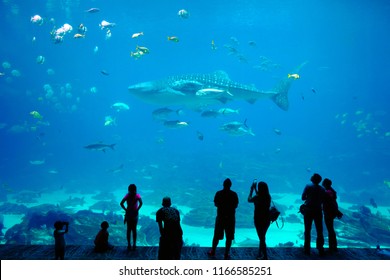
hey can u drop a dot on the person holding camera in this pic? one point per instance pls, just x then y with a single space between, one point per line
262 202
59 239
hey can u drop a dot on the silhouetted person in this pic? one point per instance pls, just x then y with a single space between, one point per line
59 239
134 203
313 195
262 201
101 240
331 211
226 202
171 233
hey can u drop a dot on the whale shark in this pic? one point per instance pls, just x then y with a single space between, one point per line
197 91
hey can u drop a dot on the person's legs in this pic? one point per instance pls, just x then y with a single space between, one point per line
134 229
230 225
263 245
332 240
218 235
228 245
128 234
320 234
308 220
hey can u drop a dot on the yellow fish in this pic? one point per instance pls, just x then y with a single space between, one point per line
213 46
36 115
173 39
293 76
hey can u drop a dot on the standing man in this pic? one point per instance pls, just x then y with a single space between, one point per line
226 202
314 195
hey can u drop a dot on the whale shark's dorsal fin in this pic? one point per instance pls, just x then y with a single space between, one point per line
221 75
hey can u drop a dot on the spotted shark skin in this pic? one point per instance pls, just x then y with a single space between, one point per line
181 90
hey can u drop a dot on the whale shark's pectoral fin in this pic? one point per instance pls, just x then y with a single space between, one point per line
186 85
251 100
223 100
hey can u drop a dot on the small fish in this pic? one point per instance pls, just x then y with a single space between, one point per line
37 19
136 54
37 162
108 34
99 146
213 46
105 73
313 90
173 39
252 43
183 14
200 135
105 24
36 115
164 113
293 76
109 121
136 35
78 35
228 111
144 50
277 131
210 114
237 128
120 106
93 10
175 124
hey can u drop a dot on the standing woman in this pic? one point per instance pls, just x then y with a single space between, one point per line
262 201
331 211
134 203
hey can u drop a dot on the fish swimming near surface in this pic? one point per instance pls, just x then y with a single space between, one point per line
99 147
190 91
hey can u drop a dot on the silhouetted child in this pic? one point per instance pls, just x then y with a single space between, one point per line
101 239
59 239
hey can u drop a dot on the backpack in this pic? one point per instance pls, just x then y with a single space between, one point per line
274 214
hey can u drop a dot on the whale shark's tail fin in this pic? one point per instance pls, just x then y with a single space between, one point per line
282 88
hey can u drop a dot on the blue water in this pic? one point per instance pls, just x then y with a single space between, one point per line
337 123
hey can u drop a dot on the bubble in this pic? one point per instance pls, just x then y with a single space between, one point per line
50 72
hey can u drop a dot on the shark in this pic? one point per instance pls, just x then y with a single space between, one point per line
197 91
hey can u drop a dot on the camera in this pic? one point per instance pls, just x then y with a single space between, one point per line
254 184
